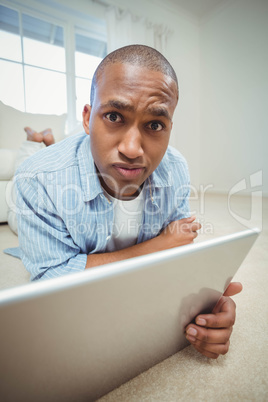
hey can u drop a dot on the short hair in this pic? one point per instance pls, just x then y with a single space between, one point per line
140 55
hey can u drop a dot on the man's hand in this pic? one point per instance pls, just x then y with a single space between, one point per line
179 233
210 335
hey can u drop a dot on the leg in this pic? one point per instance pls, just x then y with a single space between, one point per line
35 142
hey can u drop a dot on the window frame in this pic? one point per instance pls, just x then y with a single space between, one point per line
65 17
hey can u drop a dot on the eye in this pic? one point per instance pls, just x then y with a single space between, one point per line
113 117
155 126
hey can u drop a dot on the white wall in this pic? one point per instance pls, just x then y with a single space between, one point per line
233 94
183 53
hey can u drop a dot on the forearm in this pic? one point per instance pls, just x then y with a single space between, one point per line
177 233
147 247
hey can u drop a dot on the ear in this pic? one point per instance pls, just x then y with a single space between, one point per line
86 116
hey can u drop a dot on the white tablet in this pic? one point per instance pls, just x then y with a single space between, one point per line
77 337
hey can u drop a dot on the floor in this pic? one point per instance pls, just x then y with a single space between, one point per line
242 373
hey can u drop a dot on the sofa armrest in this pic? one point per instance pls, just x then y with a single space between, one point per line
7 163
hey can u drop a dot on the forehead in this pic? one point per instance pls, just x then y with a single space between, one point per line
137 85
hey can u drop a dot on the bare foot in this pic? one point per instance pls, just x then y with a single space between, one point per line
48 137
33 135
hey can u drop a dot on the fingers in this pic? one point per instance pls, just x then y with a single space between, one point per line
191 228
233 289
180 232
216 352
210 335
223 315
191 219
209 342
188 225
194 226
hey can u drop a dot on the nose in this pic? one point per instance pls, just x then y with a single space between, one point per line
131 144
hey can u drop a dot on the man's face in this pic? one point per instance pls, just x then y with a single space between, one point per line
129 124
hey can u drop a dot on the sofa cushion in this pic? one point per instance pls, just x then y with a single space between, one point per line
12 122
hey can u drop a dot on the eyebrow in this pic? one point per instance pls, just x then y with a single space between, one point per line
159 111
121 105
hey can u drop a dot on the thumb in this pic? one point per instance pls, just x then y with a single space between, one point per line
191 219
233 289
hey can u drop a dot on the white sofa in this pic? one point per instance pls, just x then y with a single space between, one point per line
12 123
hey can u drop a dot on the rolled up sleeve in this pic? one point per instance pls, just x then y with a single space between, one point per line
47 249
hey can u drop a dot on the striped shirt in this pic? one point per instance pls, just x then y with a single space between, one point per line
63 214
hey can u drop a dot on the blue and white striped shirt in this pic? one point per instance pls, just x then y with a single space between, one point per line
63 214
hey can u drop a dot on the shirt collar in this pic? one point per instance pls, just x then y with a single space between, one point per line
90 183
89 176
162 176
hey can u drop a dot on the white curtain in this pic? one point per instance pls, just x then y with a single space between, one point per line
124 28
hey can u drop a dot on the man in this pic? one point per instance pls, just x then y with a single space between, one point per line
119 191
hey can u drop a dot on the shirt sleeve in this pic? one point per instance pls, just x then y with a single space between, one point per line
183 208
47 249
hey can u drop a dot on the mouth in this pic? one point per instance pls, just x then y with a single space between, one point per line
129 171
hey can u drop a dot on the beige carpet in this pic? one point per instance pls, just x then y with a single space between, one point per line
241 375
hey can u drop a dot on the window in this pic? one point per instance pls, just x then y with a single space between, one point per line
34 75
88 54
11 77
